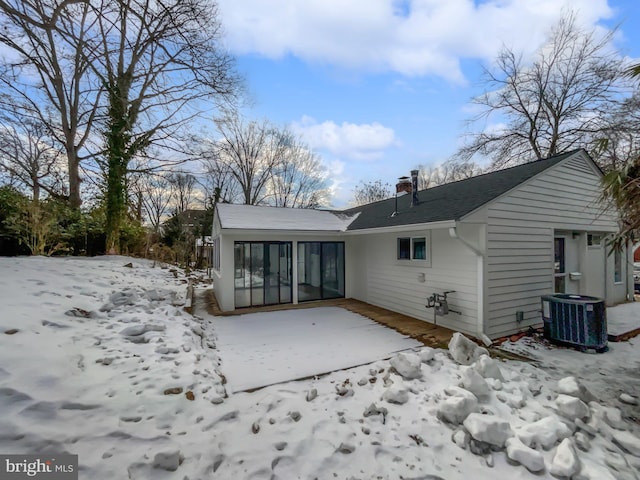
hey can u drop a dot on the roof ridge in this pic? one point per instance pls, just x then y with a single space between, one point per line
530 162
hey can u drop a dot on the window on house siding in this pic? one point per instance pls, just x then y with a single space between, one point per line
215 253
419 248
413 248
617 266
594 240
404 249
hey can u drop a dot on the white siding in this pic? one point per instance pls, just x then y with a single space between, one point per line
520 232
393 284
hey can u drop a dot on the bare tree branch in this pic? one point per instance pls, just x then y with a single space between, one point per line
556 104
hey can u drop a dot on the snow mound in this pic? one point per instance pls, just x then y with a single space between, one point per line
565 463
488 429
396 395
545 433
169 461
628 442
531 459
407 365
427 354
475 383
488 368
463 350
457 406
572 387
571 407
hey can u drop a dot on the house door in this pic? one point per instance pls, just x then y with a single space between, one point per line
262 273
566 253
320 270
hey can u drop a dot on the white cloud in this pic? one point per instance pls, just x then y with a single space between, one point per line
366 141
410 37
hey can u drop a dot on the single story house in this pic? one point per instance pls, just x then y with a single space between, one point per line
498 241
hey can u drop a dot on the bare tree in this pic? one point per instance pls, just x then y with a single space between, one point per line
48 70
182 190
158 61
299 181
450 171
219 181
29 154
249 152
429 176
216 179
370 192
619 143
554 105
155 193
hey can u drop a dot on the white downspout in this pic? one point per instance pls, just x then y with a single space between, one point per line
453 233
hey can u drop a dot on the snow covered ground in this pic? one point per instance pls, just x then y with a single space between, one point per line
100 360
267 348
622 319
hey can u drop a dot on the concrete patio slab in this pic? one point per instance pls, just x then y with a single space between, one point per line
265 348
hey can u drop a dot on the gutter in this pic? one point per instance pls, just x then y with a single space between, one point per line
403 228
453 233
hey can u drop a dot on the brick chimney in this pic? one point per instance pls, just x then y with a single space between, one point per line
403 185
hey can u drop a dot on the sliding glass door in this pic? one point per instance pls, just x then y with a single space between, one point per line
320 270
263 273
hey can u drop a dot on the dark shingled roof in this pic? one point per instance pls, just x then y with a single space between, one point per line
451 201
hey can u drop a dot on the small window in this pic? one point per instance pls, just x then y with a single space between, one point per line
404 249
617 266
594 240
419 248
215 253
414 248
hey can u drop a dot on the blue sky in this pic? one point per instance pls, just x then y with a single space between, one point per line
377 87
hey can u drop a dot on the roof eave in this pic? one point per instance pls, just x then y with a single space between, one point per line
404 228
280 231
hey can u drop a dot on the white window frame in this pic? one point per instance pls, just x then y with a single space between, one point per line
215 254
591 237
412 261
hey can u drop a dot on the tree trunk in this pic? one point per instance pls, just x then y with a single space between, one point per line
74 179
117 161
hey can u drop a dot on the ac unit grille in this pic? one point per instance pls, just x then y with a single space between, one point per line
575 320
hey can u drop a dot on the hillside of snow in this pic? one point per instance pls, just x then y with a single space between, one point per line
100 359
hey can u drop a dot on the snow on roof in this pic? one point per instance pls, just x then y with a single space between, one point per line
280 218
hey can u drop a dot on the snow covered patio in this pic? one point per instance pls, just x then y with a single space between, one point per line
623 321
260 349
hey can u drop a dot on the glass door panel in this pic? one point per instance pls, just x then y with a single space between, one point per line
320 270
242 274
262 272
257 274
285 272
271 273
